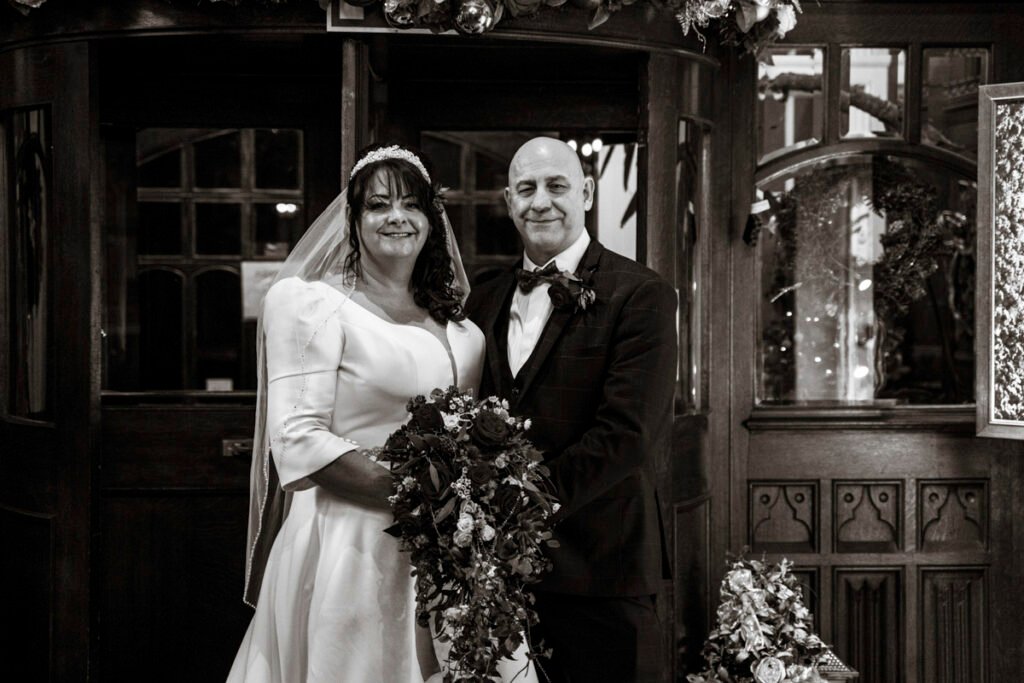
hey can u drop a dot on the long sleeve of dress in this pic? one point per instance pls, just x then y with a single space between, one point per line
304 344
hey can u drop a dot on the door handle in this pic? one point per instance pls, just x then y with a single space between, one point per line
236 448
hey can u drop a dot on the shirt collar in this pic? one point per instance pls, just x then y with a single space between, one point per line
569 259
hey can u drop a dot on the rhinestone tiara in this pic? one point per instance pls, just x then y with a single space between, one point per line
391 152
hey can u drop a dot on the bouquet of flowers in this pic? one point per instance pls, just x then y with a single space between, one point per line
472 504
764 632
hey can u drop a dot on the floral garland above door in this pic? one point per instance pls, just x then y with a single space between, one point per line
751 25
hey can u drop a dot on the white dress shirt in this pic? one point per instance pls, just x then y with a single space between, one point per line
530 312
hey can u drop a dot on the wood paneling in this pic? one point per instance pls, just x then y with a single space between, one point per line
953 515
174 447
954 647
868 516
171 572
691 579
868 610
427 86
783 517
26 574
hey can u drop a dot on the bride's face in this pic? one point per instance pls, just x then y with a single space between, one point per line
392 224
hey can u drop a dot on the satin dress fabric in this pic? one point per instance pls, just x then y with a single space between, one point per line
337 602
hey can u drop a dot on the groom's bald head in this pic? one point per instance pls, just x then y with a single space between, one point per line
547 197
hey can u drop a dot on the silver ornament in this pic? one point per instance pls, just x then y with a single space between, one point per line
474 17
399 15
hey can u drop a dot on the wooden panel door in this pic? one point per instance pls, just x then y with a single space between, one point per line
48 372
900 521
173 496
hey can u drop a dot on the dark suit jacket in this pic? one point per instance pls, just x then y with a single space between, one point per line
599 390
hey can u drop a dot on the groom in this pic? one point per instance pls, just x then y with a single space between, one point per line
586 349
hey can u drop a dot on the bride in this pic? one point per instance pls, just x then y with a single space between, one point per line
365 313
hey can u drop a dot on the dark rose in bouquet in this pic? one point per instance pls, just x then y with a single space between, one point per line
488 429
472 506
427 417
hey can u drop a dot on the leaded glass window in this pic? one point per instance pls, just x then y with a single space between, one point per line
865 242
216 211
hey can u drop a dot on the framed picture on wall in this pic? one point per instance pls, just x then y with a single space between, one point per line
999 295
257 276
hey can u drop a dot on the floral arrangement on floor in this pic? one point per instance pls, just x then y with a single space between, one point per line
472 505
750 24
764 632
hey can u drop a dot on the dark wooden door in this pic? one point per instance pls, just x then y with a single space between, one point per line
186 122
901 522
48 417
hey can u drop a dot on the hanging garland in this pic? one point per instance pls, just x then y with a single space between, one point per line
751 25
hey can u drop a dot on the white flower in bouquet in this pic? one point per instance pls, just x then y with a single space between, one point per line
786 16
463 539
465 523
452 422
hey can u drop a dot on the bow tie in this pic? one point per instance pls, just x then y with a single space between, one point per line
528 279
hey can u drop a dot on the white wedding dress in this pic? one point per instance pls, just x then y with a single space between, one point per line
337 602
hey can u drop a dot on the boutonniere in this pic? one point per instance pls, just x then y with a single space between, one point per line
567 290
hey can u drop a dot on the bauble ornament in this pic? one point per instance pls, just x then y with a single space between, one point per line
475 17
400 14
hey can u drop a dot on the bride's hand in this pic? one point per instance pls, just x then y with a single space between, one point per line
354 477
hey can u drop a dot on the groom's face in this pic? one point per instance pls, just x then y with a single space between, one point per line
547 197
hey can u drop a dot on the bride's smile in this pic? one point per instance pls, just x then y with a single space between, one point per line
392 224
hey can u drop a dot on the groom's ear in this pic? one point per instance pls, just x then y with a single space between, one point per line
508 201
588 192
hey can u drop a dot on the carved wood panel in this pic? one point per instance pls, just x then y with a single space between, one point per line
953 515
783 517
867 617
868 516
953 637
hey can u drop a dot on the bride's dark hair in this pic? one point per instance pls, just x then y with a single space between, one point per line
433 277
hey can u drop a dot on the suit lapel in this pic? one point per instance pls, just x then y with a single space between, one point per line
557 322
496 327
